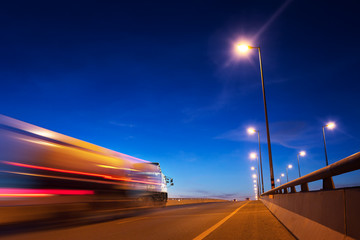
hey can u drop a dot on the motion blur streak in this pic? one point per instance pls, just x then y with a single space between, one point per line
23 192
25 195
80 173
46 175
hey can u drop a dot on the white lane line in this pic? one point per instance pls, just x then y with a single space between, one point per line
210 230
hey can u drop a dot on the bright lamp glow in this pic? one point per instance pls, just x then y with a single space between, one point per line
251 130
278 180
290 166
331 125
283 175
254 175
302 153
253 155
253 168
254 181
242 48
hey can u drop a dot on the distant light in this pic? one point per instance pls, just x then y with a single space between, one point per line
253 155
254 185
283 175
252 168
302 153
251 130
331 125
242 48
290 166
254 175
254 181
278 180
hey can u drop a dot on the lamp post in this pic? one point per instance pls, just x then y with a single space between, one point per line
287 175
252 131
330 125
302 154
244 48
254 156
278 180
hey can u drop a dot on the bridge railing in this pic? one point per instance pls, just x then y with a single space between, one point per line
325 174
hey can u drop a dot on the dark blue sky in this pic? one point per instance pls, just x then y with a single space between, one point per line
158 80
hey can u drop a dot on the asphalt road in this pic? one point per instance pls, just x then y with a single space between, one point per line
226 220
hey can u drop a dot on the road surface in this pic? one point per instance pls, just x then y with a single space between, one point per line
227 220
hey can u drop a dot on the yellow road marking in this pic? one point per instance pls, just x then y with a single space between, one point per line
132 220
210 230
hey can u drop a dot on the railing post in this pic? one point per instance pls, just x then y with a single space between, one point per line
328 183
304 187
285 190
292 189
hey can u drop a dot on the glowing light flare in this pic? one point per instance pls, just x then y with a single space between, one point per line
254 181
251 130
253 155
43 132
242 48
331 125
283 175
254 176
39 142
278 180
302 153
252 168
290 166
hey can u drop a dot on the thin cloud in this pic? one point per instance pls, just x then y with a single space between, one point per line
122 124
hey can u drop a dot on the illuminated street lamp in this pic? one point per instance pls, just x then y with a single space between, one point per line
281 175
278 180
252 131
242 48
256 182
302 154
255 156
287 175
330 126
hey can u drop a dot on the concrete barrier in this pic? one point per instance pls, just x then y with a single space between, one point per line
183 201
329 215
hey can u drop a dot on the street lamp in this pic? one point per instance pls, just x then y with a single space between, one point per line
252 131
330 126
256 182
278 180
281 175
255 156
302 154
244 48
287 175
